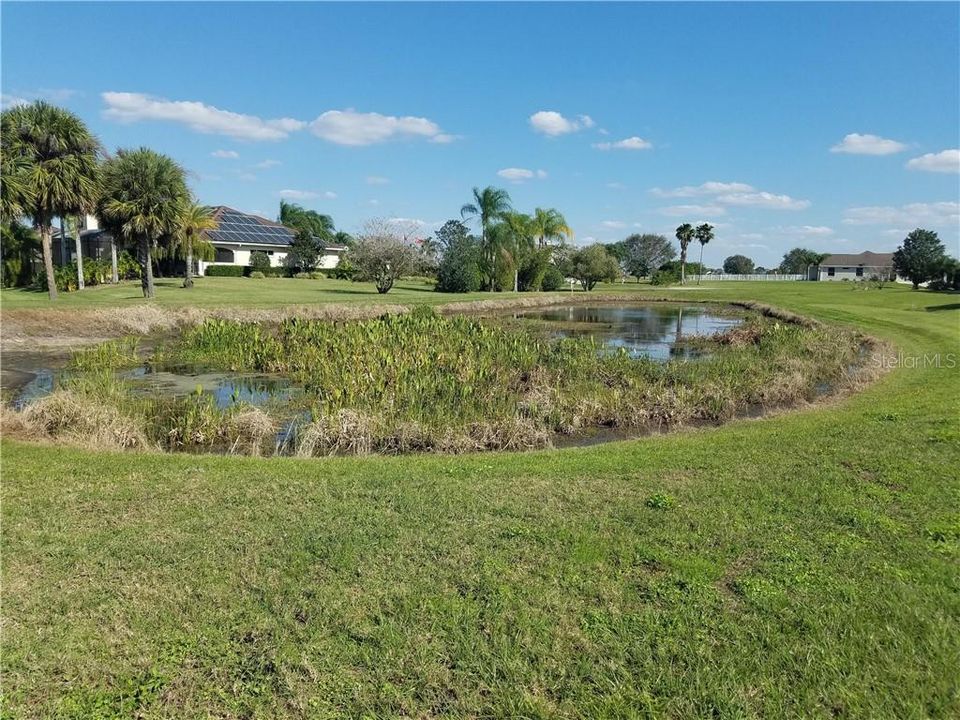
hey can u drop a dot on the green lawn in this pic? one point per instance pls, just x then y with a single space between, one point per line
221 291
806 565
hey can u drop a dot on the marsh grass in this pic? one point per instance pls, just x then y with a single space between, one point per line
422 382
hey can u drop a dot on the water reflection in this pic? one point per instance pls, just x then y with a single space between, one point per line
655 331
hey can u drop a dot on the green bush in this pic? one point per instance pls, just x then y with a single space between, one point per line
553 280
343 271
224 271
664 277
315 275
259 262
459 270
256 275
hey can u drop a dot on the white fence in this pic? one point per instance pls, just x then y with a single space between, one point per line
725 276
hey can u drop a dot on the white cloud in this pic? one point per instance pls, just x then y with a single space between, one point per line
614 224
349 127
552 123
763 200
945 161
297 194
630 143
857 144
226 154
133 107
708 188
10 101
517 175
616 186
265 164
804 230
53 95
686 210
247 177
330 195
377 180
734 193
910 215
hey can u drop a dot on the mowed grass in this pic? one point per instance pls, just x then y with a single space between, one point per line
231 292
806 565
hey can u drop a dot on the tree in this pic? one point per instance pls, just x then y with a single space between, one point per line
738 265
19 245
144 193
381 255
549 225
489 206
592 264
341 237
451 232
685 236
305 250
642 254
298 218
188 240
53 162
459 270
799 260
920 258
703 234
515 241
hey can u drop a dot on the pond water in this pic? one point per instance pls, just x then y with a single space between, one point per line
225 388
655 331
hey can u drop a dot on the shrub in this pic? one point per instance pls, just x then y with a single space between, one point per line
532 270
314 275
343 271
553 280
259 261
664 277
224 271
459 270
256 275
382 255
593 264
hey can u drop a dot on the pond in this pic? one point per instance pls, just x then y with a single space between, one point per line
426 382
655 331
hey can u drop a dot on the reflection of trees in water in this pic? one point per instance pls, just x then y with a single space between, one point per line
634 328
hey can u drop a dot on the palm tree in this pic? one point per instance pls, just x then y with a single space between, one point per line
143 200
515 239
58 158
685 236
550 225
188 240
297 217
704 234
489 205
73 224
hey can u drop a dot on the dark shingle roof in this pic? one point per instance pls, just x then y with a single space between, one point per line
867 259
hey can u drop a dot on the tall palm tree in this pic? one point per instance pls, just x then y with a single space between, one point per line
144 194
549 224
515 239
704 234
489 205
685 236
59 157
188 240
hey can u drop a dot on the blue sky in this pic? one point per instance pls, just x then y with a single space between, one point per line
829 126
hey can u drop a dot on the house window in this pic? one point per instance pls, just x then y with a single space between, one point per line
859 272
831 271
223 255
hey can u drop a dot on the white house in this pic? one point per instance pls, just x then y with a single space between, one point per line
239 234
856 267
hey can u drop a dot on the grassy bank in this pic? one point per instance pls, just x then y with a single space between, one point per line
799 566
